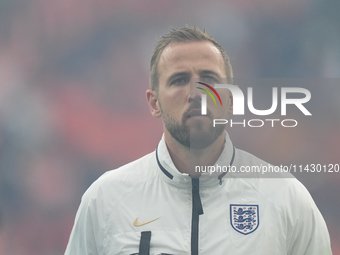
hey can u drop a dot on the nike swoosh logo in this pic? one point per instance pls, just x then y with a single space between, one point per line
138 224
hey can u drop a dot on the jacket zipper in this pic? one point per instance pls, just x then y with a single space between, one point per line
197 210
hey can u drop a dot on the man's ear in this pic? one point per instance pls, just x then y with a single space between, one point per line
151 97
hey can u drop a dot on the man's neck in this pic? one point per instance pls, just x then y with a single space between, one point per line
185 159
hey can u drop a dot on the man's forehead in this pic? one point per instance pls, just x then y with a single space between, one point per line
177 54
176 51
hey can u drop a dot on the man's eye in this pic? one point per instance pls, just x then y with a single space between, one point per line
209 79
180 81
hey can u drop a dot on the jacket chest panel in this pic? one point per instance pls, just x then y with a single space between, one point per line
166 213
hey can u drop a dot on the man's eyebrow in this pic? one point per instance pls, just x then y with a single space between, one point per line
208 72
175 75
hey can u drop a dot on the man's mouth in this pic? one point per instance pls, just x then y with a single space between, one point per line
194 112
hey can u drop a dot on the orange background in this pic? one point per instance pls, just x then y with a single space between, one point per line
73 76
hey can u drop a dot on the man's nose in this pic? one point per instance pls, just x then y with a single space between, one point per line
195 93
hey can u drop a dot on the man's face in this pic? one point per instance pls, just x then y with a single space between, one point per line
180 67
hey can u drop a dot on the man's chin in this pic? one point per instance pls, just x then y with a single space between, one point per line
200 143
195 133
201 139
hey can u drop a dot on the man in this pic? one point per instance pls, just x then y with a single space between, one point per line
160 204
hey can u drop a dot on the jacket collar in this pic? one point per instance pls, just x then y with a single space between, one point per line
171 175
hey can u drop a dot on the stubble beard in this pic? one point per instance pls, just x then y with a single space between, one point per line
195 137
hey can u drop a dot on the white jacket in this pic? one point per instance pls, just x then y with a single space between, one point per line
273 216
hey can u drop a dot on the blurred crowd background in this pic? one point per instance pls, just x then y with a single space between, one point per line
73 76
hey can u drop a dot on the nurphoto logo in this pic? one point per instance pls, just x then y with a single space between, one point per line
238 104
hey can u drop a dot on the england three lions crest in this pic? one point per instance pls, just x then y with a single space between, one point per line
244 218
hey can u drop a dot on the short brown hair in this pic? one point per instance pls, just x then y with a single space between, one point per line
184 34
